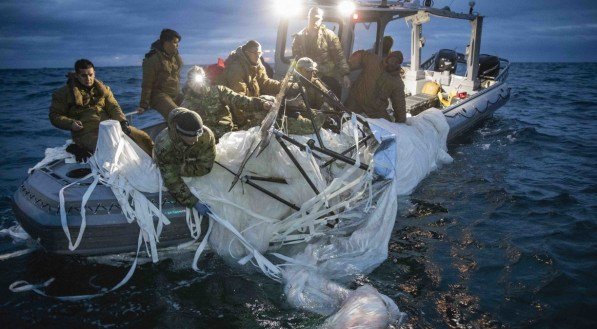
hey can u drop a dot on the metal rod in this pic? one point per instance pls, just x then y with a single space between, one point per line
267 179
297 165
270 194
261 189
327 163
327 152
310 114
311 144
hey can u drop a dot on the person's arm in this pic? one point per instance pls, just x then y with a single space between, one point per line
337 54
298 47
206 155
399 102
112 107
58 111
150 68
267 86
234 78
172 179
237 101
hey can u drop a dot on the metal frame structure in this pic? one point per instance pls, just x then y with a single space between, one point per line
320 147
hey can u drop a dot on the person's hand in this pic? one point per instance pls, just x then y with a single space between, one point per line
267 105
124 125
201 208
346 82
76 125
140 110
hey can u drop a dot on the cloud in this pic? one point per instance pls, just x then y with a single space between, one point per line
54 33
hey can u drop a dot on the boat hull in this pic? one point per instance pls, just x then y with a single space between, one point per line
465 115
36 202
36 206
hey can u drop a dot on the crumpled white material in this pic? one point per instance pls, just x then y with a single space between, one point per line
246 223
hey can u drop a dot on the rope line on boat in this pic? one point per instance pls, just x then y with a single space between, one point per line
487 105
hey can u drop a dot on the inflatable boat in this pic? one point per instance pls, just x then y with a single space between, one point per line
470 88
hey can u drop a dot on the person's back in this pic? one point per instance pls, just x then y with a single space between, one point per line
377 84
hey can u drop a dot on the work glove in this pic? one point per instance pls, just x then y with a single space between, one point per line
124 125
202 209
81 154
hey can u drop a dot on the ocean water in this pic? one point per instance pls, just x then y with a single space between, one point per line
504 237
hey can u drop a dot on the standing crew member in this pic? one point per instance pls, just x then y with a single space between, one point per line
82 104
378 81
185 148
323 46
161 75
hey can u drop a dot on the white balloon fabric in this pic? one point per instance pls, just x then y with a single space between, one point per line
311 259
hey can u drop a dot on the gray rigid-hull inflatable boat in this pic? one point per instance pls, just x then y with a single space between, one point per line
36 202
36 205
478 80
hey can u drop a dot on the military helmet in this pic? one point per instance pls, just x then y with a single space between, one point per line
307 64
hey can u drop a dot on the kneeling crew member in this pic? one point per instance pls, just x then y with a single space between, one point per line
186 148
221 109
83 103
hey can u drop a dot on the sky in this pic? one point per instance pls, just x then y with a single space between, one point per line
55 33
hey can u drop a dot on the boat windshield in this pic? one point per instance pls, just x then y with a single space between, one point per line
365 34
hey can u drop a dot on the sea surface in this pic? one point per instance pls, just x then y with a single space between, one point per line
504 237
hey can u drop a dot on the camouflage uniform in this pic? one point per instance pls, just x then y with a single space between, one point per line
245 78
369 94
161 77
177 159
220 106
325 49
90 106
300 124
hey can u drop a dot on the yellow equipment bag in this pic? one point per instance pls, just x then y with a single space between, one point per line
431 88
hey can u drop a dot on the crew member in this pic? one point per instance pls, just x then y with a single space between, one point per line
323 46
185 148
82 104
245 74
378 82
161 75
221 109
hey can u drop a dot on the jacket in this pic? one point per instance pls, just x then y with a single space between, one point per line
88 105
245 78
324 48
177 159
374 87
161 74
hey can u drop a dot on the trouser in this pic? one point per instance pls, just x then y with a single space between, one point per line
164 104
334 85
141 138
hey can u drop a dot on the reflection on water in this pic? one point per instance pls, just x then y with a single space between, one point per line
502 237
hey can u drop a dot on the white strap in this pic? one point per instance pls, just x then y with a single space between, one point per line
22 286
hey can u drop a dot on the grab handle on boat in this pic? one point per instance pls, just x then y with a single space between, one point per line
129 116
